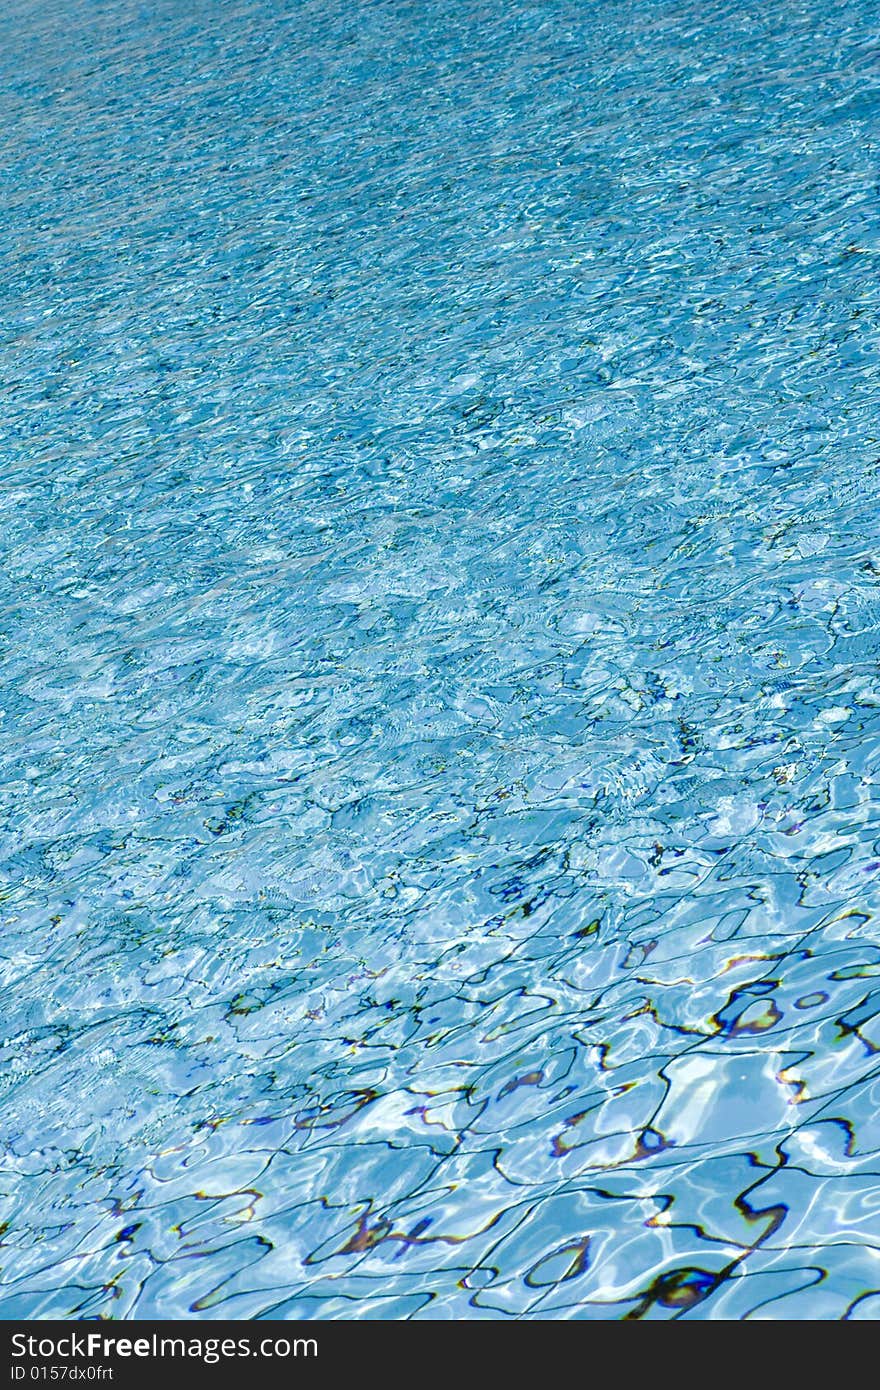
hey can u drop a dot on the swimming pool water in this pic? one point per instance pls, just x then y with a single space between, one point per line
440 714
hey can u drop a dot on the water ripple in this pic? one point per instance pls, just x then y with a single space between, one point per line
440 841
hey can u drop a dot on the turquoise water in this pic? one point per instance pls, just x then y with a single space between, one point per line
441 714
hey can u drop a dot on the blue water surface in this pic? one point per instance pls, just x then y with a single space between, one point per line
440 713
